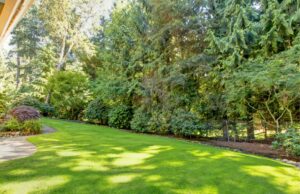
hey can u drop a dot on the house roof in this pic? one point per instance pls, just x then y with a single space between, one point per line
11 11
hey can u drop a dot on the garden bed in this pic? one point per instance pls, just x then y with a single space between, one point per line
45 130
11 134
255 148
263 148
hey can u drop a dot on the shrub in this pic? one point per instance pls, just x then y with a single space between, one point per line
139 122
120 117
12 125
185 123
159 122
27 101
27 127
69 93
47 110
97 111
23 113
32 127
3 104
289 141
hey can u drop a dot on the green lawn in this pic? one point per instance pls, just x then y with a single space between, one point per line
83 158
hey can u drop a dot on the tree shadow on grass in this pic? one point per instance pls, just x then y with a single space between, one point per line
91 159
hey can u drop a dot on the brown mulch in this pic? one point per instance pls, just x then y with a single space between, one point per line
261 148
254 148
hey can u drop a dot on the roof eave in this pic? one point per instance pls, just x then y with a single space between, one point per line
12 12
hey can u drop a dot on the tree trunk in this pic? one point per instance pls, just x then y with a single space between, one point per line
225 130
276 120
250 130
264 124
60 63
59 66
277 126
236 135
18 71
48 98
291 117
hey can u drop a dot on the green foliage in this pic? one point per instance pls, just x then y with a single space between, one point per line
227 61
28 40
28 127
68 24
31 127
27 101
28 34
152 62
139 122
97 111
263 87
159 122
44 108
146 63
276 28
42 66
69 93
3 104
289 141
185 123
12 125
120 117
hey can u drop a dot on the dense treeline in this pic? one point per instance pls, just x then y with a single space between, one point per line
194 68
188 67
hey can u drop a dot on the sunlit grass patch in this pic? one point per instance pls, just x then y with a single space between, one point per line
83 158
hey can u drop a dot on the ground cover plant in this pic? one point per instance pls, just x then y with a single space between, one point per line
81 158
290 141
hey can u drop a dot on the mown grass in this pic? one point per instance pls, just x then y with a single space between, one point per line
82 158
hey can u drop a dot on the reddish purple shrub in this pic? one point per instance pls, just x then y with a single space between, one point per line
24 113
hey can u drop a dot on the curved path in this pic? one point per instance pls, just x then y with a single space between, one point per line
18 147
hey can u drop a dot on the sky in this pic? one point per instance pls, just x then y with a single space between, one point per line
107 4
105 8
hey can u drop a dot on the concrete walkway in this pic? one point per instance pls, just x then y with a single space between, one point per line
18 147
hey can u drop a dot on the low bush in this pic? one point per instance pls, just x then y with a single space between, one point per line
120 117
47 110
139 122
12 125
23 113
160 122
97 112
27 101
28 127
185 124
289 141
32 127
